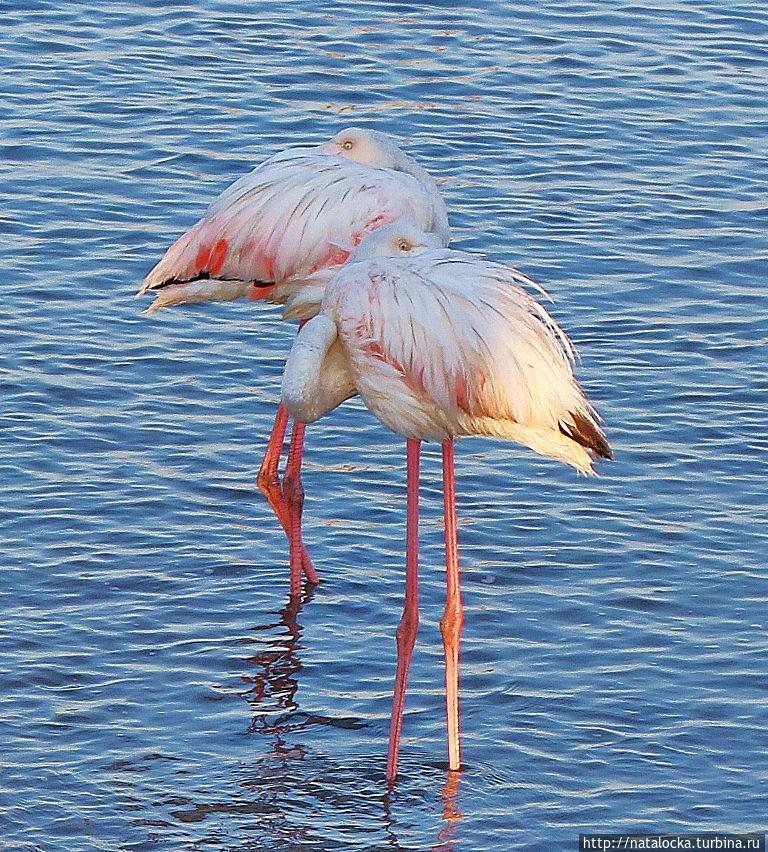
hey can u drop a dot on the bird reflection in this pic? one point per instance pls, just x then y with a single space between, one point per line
274 673
446 838
270 787
451 814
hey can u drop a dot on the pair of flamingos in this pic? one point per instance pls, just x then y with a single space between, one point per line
351 237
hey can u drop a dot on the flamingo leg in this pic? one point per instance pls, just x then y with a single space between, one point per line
293 492
409 623
453 617
268 482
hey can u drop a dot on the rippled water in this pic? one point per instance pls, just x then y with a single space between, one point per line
153 693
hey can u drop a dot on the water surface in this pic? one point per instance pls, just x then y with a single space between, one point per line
154 693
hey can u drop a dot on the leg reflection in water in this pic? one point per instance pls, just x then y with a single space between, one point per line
446 839
274 673
451 814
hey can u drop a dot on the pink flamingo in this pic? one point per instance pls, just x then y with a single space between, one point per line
277 234
440 343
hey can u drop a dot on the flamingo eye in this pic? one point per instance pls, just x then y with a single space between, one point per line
347 145
404 245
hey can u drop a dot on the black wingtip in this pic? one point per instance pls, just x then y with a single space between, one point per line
169 282
204 275
586 432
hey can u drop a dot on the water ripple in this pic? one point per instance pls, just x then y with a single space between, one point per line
154 692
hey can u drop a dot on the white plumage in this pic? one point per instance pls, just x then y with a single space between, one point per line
441 343
279 229
278 234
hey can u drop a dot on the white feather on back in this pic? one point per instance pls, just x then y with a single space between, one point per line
442 342
287 217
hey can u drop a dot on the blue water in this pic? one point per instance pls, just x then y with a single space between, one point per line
153 692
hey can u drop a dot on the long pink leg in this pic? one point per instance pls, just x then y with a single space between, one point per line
267 479
293 491
453 617
409 623
268 482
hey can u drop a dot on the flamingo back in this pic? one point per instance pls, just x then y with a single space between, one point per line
300 212
443 343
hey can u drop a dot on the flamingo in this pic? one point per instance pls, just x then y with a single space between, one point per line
440 343
277 234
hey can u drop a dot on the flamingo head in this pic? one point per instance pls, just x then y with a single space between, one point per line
400 239
369 147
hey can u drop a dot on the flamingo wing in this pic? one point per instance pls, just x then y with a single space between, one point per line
443 343
290 217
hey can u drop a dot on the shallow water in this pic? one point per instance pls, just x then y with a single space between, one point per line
154 694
